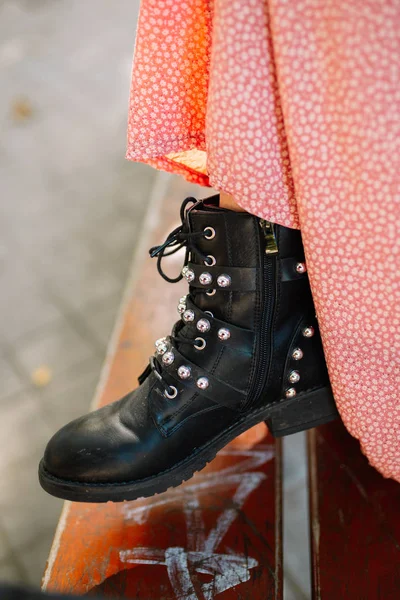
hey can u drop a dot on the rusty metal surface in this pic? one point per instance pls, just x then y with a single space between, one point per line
355 524
217 535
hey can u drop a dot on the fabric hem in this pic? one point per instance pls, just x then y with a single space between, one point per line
162 163
290 223
146 151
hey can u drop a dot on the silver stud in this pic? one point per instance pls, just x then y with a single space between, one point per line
168 358
160 341
185 269
189 275
224 334
182 300
209 233
202 383
224 281
203 325
181 308
188 316
308 332
290 393
297 354
301 267
184 372
162 348
210 260
205 278
294 377
210 292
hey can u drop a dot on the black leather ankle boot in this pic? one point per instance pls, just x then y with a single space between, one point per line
246 349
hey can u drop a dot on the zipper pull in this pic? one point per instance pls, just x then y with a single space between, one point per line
271 247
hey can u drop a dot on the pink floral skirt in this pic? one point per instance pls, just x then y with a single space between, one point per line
293 107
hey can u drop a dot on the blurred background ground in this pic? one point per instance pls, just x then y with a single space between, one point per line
71 208
70 214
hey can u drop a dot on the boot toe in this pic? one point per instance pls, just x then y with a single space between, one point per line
89 450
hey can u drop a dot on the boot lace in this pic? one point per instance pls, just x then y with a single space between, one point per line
179 238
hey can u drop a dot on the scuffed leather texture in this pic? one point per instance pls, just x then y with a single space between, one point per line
121 443
146 433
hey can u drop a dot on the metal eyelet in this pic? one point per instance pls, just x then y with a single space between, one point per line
211 262
211 234
202 344
174 392
208 312
211 292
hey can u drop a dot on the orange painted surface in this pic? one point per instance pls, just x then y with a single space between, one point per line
218 535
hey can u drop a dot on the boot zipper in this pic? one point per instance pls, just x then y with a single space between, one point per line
268 292
271 246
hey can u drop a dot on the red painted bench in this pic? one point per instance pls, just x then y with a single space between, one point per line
354 518
220 534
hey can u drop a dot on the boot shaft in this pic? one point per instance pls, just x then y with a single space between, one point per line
277 308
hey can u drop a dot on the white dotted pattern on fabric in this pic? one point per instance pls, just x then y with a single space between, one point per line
297 104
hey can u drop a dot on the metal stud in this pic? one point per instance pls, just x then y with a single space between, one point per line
301 267
182 300
184 372
189 275
185 269
202 383
224 334
205 278
308 332
188 316
203 325
209 233
160 341
294 377
168 358
297 354
290 393
181 308
162 348
224 281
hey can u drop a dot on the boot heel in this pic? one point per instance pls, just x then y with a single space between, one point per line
302 412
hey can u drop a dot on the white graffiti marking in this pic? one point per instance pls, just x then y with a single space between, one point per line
227 570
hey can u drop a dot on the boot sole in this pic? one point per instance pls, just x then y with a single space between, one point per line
282 418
